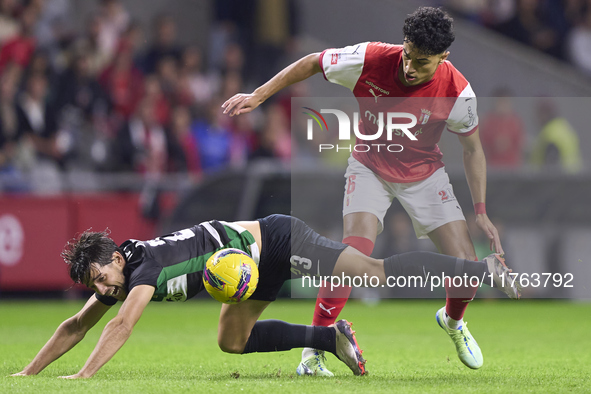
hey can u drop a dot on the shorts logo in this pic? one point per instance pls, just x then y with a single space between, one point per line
447 195
334 58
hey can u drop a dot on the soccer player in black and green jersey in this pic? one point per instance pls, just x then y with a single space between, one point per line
171 267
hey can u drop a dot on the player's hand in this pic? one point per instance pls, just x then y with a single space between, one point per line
76 376
491 232
21 373
241 103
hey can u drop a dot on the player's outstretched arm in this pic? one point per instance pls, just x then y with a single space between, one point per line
475 168
304 68
117 331
67 335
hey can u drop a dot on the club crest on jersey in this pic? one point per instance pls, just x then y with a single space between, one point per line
425 114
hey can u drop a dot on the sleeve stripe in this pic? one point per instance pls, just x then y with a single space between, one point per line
254 248
213 232
464 134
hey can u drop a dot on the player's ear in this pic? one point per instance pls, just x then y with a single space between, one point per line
118 259
443 57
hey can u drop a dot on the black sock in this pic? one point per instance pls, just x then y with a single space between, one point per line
277 335
421 263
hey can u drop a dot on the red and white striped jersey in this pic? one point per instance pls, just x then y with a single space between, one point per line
447 101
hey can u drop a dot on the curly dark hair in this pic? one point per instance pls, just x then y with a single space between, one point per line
90 247
430 30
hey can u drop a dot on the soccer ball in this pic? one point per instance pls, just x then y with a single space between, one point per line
230 276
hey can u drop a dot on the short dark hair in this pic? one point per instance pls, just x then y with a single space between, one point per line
430 30
89 248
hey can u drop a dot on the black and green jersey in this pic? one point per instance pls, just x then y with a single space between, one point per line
174 263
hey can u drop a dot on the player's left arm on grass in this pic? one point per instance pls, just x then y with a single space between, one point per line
117 331
475 168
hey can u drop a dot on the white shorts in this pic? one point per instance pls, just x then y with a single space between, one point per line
430 203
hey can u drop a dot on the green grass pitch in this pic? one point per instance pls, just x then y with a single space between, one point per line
528 346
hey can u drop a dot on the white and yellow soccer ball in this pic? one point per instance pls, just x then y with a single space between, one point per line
230 276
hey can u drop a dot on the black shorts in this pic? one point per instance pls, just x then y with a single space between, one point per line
291 249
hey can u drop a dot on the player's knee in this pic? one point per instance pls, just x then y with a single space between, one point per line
231 346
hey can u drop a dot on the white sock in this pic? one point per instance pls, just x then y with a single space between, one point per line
307 352
453 324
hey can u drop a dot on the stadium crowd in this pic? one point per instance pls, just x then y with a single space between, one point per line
560 28
116 96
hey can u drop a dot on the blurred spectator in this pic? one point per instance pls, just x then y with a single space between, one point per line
275 138
134 36
496 12
164 45
9 24
183 95
81 107
77 90
9 128
153 92
557 144
538 23
144 146
123 82
275 24
89 42
20 48
41 149
469 9
180 127
40 63
54 32
37 121
167 72
502 133
113 20
202 85
579 43
232 71
218 146
233 22
232 84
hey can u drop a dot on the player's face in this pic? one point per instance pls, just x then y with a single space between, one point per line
416 67
109 279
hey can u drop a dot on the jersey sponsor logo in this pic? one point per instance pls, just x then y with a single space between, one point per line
176 289
376 87
334 58
425 114
12 238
